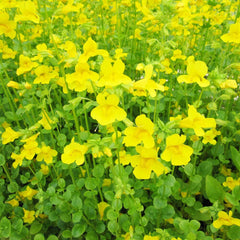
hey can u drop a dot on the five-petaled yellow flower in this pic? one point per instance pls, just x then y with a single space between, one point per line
146 162
177 152
74 152
225 219
197 121
108 111
142 133
196 70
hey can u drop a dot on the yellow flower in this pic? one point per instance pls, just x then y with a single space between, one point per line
108 111
18 159
44 74
197 121
148 237
233 35
8 53
225 219
142 133
81 79
13 202
25 65
112 75
141 87
44 169
9 135
28 193
177 54
28 216
119 53
177 152
229 84
46 154
28 12
30 148
90 49
45 121
70 47
209 136
147 162
74 152
196 71
231 183
13 84
7 27
101 208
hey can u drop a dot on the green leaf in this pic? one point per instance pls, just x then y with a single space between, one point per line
39 236
91 183
233 233
2 160
77 202
67 234
12 187
117 204
76 217
214 189
159 202
78 229
205 168
35 227
52 237
235 157
5 227
113 227
61 182
98 171
61 140
189 169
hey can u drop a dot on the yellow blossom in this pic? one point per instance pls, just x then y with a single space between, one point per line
90 49
108 111
13 202
209 136
148 237
141 87
146 162
45 121
197 121
7 27
231 183
196 71
44 169
44 74
28 193
9 135
18 159
177 54
225 219
46 154
13 84
229 84
25 65
233 35
177 152
30 148
101 208
112 75
74 152
28 216
142 133
82 78
28 12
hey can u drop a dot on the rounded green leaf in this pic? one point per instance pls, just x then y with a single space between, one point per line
78 230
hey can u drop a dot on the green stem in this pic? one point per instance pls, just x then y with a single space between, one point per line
7 173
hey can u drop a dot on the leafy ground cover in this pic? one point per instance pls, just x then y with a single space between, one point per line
119 119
